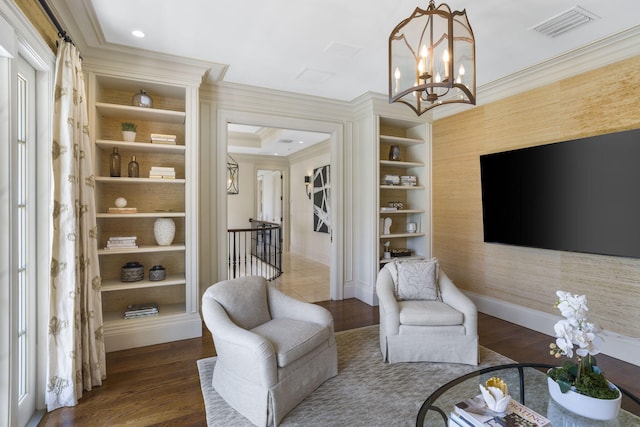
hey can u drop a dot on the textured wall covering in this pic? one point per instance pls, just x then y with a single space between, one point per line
602 101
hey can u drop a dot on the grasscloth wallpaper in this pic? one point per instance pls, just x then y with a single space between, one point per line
602 101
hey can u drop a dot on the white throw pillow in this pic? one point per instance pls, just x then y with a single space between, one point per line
417 280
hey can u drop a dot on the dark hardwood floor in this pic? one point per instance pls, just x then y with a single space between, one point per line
159 385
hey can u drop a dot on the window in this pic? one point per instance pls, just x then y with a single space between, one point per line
26 105
24 206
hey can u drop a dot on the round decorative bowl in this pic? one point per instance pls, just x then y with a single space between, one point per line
132 272
157 272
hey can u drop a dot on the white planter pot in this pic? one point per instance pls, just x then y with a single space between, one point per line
164 229
590 407
128 136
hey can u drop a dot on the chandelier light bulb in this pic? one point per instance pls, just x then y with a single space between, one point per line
445 59
424 52
397 77
438 78
461 70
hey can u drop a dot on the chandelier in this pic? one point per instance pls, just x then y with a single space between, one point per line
432 59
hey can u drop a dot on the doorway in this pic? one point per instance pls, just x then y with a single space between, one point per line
293 190
269 195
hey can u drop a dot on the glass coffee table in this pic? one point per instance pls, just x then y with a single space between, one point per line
527 384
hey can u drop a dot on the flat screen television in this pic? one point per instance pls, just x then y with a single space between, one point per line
579 196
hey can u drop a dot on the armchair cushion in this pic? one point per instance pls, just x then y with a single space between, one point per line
416 280
429 313
292 339
245 301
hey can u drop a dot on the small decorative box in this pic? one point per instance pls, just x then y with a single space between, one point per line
400 252
132 272
157 272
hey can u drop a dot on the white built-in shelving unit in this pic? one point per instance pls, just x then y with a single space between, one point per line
410 137
174 111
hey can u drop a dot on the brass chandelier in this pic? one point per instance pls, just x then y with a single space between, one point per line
432 59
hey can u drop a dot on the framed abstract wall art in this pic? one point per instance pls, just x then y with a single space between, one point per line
321 205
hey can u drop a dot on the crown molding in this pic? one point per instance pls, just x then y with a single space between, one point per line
162 69
251 99
318 149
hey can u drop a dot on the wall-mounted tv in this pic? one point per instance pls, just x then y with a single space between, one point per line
579 196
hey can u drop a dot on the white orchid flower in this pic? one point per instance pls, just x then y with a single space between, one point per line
575 329
571 306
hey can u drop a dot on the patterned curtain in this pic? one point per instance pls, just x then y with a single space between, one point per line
76 358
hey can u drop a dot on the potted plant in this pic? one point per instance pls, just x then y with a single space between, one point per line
581 386
129 131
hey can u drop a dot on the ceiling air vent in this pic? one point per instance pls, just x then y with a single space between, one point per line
285 141
565 21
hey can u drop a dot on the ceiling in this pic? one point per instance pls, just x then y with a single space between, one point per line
328 48
270 141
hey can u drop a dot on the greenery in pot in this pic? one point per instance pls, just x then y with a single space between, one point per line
129 127
583 376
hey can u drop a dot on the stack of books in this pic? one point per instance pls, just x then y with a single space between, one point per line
162 172
122 242
388 209
161 138
408 180
125 210
135 311
474 412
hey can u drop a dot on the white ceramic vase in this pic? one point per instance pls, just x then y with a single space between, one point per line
164 230
589 407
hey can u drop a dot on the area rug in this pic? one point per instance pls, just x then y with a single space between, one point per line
366 391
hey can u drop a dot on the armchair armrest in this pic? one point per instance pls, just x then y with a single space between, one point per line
284 306
454 297
389 308
246 353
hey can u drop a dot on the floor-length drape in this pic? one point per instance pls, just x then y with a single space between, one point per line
76 356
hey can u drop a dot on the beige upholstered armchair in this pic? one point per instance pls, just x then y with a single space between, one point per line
423 316
272 350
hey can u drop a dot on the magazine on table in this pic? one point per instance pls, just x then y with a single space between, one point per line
475 412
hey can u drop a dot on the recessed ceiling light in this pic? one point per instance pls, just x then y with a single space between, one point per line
300 142
137 33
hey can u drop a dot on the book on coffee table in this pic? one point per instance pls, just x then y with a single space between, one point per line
475 412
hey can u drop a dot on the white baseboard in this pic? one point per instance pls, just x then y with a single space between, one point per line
364 292
615 345
154 330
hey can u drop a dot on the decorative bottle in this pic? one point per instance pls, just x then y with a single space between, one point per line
114 165
133 168
394 153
